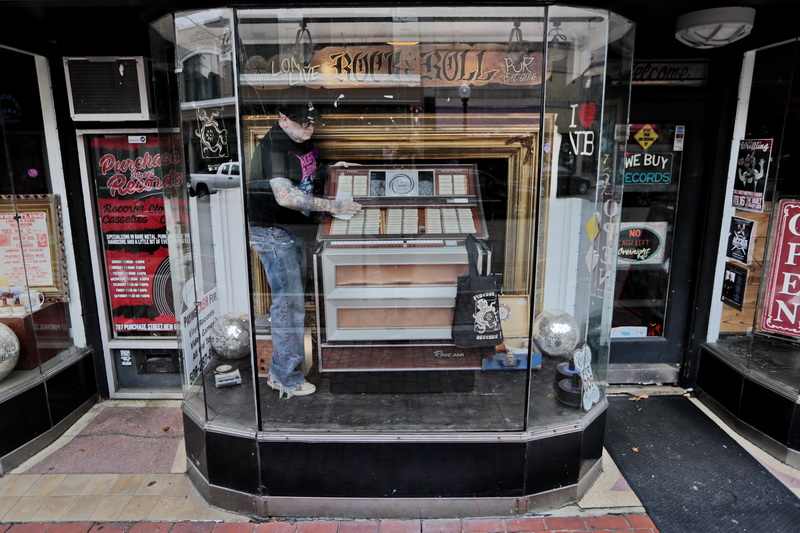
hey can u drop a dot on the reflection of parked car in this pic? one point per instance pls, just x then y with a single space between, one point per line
226 177
570 183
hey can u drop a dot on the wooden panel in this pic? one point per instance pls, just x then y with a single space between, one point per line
399 357
383 318
392 275
734 321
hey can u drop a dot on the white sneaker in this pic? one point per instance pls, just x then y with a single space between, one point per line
304 389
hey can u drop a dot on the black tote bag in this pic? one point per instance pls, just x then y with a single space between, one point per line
476 321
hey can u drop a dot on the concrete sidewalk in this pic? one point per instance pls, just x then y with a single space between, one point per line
109 473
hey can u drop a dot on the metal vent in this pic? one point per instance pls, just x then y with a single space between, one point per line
107 88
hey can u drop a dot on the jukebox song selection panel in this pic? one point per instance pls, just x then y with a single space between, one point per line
411 202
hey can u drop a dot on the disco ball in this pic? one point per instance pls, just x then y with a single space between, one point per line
9 350
230 335
556 332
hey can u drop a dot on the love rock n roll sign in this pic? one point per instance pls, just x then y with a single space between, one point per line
582 141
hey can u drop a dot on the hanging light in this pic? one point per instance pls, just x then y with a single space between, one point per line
558 43
712 28
303 51
517 47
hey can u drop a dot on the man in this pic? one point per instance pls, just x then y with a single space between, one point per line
280 192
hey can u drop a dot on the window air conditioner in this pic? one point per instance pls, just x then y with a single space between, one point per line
108 88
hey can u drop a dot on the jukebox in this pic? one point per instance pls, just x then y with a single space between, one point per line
386 278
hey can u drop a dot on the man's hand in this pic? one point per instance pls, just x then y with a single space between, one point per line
344 207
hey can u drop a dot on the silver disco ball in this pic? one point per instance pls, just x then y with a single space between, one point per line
9 350
556 332
230 335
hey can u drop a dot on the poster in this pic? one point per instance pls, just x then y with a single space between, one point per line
740 240
32 244
25 247
130 174
782 290
733 285
197 322
752 168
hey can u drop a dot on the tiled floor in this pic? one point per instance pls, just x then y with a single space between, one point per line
84 500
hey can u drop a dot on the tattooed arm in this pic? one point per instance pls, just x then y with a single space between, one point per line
292 198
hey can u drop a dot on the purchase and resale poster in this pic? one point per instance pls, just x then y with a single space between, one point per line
130 173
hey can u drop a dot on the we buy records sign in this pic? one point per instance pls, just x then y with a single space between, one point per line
129 179
782 294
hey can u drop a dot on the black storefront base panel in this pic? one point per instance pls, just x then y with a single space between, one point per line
37 414
399 477
768 417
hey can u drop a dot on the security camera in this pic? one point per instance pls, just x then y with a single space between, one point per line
464 91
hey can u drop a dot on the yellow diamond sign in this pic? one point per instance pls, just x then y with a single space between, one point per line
593 228
646 136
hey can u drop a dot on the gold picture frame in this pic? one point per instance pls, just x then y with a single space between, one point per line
32 244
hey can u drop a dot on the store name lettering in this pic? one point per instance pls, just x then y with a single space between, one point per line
523 72
432 65
109 162
297 73
142 176
648 168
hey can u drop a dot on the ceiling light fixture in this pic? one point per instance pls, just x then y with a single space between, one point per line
712 28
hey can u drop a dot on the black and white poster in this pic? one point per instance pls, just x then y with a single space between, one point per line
752 168
740 240
733 285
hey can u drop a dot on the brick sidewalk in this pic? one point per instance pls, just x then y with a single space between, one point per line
624 523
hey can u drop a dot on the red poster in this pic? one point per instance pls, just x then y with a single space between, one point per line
782 294
130 174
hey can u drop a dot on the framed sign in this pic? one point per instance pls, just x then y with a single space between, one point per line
641 242
32 244
733 285
740 240
782 291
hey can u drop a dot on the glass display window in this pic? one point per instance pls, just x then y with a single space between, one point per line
755 309
423 223
46 370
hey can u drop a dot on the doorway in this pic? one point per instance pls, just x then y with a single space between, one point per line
664 203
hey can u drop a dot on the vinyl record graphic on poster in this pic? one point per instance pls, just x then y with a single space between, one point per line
752 168
129 179
733 285
740 240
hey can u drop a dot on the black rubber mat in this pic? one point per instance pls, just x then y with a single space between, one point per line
690 475
406 382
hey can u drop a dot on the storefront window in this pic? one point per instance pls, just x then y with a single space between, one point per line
758 325
37 293
386 162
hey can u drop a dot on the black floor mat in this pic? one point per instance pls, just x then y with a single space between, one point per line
406 382
690 475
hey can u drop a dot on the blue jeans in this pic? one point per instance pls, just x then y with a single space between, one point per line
283 257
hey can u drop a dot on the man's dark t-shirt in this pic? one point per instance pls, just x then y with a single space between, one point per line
277 156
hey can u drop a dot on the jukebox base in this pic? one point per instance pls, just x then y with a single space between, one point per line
389 358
